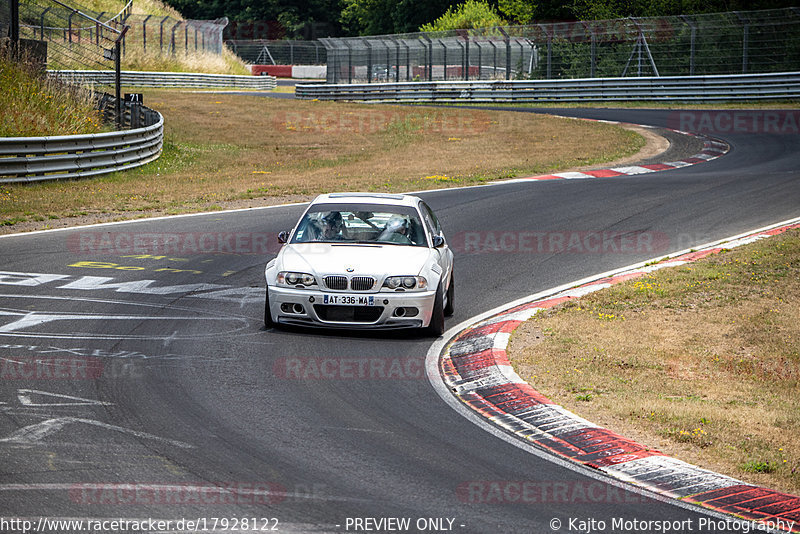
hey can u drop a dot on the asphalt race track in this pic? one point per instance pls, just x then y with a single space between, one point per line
167 399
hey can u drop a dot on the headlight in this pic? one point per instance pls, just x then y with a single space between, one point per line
296 279
405 282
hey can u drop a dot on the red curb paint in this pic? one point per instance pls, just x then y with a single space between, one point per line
514 398
778 231
479 404
560 447
615 279
752 502
622 458
469 363
505 327
604 173
549 303
658 167
712 147
694 256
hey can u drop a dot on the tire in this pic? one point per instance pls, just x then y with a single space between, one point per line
450 307
268 322
436 326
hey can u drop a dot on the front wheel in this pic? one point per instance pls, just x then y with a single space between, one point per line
450 307
268 322
436 326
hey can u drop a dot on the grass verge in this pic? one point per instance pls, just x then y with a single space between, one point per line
35 106
227 150
700 361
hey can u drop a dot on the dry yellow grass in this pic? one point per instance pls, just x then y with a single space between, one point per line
196 61
225 149
701 362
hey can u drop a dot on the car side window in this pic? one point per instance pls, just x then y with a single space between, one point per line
430 219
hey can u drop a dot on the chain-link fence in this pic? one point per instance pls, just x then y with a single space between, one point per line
5 19
172 36
73 36
723 43
80 37
279 52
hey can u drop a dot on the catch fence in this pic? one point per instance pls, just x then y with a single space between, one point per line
279 52
741 42
79 37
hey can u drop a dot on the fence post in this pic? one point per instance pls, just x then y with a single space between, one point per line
117 83
408 61
507 40
369 60
388 60
692 36
396 59
349 62
466 59
172 40
549 50
161 34
13 28
593 49
444 48
480 60
745 38
41 22
429 58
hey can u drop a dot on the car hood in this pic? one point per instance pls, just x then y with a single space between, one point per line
325 258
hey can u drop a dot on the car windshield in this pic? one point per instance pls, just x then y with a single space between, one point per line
395 225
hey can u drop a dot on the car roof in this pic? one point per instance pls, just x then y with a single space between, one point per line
371 198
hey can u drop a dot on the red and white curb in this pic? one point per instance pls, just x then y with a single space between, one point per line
473 365
712 149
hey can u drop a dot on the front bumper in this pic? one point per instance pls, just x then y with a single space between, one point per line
307 307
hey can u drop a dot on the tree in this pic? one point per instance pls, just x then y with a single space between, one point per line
378 17
470 14
520 11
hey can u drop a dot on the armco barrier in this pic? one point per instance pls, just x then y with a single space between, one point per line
780 86
164 79
32 159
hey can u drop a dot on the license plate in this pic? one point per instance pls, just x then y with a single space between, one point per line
348 300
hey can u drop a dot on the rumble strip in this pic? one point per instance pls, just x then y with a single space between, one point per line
475 368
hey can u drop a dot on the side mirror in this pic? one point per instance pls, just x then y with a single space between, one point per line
438 241
283 237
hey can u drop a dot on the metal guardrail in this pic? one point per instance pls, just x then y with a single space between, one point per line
165 79
33 159
782 86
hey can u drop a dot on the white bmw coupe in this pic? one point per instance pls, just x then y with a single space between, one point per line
360 260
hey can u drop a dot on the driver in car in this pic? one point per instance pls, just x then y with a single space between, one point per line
333 226
396 231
